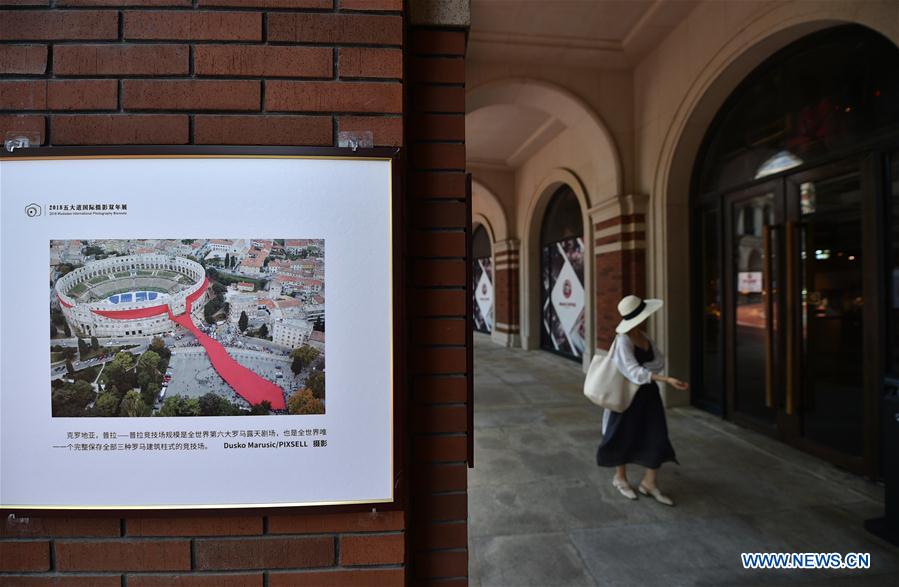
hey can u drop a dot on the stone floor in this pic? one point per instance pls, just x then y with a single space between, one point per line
542 513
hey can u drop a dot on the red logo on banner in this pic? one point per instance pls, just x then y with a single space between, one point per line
484 289
566 289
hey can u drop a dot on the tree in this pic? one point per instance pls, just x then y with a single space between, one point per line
53 330
305 354
95 344
66 330
118 372
315 382
212 404
71 399
233 261
157 345
133 406
227 260
70 368
302 402
149 378
178 405
261 409
263 331
243 321
107 404
83 348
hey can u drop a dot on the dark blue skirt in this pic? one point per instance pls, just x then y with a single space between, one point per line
639 434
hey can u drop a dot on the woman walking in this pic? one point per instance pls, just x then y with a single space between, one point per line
639 434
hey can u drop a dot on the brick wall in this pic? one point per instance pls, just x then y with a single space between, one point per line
506 289
272 72
620 262
437 296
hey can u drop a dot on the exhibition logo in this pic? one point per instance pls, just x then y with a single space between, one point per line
566 289
484 289
85 209
33 210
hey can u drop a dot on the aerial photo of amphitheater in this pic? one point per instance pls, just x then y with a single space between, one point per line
187 327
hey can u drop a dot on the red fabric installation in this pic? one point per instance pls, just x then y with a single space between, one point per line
63 302
247 384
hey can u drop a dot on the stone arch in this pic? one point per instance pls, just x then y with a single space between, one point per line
530 259
668 239
571 111
486 205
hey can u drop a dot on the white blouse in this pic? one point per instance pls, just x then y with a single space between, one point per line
627 363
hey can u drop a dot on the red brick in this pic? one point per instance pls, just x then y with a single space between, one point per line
194 26
61 581
440 536
204 580
97 94
437 185
437 214
326 4
263 130
267 61
370 62
198 526
190 95
387 131
24 556
30 124
441 419
335 28
24 2
443 70
448 563
441 449
439 360
117 129
445 507
433 42
121 555
265 553
341 578
372 549
441 477
426 302
438 127
334 97
386 5
59 95
443 390
439 156
328 523
23 59
121 3
439 331
438 99
121 59
62 527
437 244
43 25
438 273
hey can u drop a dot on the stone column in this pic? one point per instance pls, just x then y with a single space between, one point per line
507 329
619 250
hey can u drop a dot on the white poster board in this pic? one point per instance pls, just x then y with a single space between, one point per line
171 398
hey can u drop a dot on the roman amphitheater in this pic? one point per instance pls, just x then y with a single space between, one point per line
135 295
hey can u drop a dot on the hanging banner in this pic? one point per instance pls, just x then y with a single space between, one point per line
563 296
198 346
482 278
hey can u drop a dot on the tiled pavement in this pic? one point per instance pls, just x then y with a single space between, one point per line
542 513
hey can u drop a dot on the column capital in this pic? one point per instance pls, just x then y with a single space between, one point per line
619 205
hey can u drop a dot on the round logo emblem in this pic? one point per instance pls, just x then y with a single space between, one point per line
566 288
484 289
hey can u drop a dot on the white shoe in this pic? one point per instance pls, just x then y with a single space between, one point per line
624 488
655 493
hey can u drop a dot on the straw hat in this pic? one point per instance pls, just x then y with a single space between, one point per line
635 310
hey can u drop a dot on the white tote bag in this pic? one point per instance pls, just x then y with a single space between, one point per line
605 386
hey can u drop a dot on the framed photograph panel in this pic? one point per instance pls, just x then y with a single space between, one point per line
186 328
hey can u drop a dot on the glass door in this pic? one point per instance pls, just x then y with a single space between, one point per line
754 300
826 341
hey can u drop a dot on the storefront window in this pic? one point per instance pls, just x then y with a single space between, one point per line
894 285
830 90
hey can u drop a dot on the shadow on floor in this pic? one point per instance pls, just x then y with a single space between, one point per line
542 513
